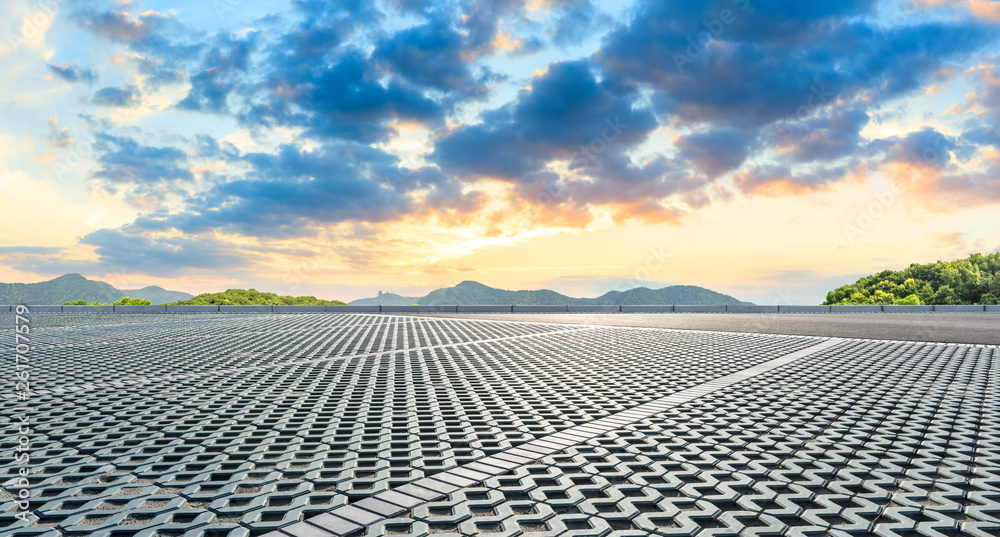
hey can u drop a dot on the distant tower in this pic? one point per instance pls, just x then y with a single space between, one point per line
380 293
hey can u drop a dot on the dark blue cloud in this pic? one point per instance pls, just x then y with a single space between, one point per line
429 55
73 73
218 74
294 192
717 151
159 34
125 161
345 100
125 97
163 256
577 21
985 134
777 57
567 114
829 135
926 147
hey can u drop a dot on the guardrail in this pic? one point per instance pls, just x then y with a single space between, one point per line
679 308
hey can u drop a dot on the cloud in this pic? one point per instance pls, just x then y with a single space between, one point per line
346 100
829 135
429 55
926 147
58 137
780 180
125 97
292 193
776 57
716 151
44 250
149 32
576 21
73 73
125 161
925 162
567 114
218 75
164 255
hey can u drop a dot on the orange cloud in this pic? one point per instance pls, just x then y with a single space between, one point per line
647 212
985 9
941 191
504 42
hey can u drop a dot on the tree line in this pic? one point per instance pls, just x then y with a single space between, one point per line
973 280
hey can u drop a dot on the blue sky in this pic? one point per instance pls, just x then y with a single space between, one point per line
768 149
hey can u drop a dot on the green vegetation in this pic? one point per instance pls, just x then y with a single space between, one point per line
123 301
973 280
250 297
126 301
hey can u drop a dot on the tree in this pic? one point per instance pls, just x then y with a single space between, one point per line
126 301
974 280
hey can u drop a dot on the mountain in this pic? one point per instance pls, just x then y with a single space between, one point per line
75 287
470 293
386 299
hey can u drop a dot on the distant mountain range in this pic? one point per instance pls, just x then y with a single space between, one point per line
75 287
474 293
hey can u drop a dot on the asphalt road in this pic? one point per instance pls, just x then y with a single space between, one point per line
976 328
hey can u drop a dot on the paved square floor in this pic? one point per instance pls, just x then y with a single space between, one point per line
328 424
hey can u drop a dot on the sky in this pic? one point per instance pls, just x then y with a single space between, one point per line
768 149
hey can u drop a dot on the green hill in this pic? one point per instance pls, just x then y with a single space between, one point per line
386 299
475 293
71 287
250 297
973 280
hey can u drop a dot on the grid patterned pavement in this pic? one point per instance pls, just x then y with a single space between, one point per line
232 425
